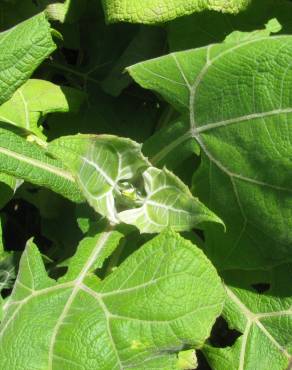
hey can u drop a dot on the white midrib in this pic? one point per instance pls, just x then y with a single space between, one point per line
77 286
195 130
254 319
36 163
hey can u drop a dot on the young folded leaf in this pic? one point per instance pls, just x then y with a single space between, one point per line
162 298
101 164
157 11
37 98
237 97
119 183
22 49
168 202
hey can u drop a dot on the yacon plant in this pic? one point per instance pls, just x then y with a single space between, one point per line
144 203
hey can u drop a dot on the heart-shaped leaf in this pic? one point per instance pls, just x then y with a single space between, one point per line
237 100
163 297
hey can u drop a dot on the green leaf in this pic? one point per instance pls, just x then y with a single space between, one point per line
30 162
238 103
187 360
8 262
168 202
147 44
121 115
34 100
8 186
67 11
119 183
22 50
201 29
157 11
263 318
117 322
100 164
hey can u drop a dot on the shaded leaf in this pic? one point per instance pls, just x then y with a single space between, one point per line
34 100
8 186
209 27
22 50
157 11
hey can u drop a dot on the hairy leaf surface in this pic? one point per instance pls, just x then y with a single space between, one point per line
263 318
237 97
100 164
168 202
22 49
30 162
157 11
114 175
121 322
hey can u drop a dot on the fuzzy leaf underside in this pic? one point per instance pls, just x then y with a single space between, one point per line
119 183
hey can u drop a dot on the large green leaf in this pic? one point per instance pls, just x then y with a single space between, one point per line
263 318
157 11
119 183
30 162
124 321
236 100
35 99
22 49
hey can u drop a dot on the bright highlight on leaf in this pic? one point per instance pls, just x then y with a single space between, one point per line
157 11
118 318
113 175
34 100
92 165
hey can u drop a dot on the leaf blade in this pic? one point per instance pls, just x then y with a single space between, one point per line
23 48
101 307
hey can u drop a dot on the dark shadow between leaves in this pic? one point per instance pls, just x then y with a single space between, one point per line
275 282
208 27
261 287
222 336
